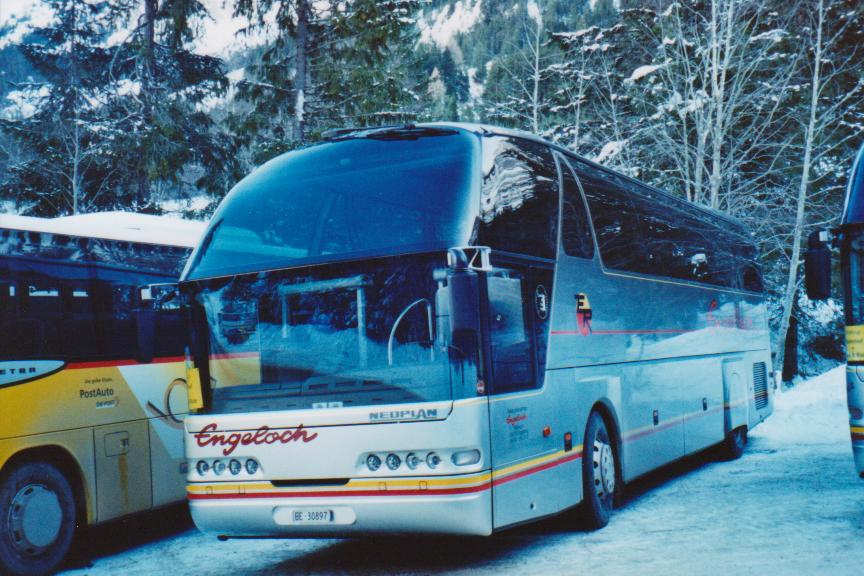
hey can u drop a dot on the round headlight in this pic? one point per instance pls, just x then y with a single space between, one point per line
234 467
393 461
373 462
432 460
218 467
202 467
412 461
251 467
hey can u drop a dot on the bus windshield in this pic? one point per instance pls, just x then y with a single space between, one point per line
337 335
358 197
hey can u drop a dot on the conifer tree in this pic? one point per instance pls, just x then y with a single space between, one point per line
65 138
168 138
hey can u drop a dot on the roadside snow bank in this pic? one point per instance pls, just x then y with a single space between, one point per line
812 412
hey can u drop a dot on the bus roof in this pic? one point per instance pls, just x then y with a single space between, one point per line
486 129
123 226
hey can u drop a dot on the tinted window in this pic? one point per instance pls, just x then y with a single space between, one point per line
749 268
614 216
509 333
685 242
575 230
519 198
60 300
359 197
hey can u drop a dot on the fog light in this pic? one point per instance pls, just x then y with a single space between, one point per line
234 467
393 461
432 460
466 457
218 467
412 461
202 467
251 467
373 462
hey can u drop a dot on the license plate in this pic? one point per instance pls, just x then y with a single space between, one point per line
311 516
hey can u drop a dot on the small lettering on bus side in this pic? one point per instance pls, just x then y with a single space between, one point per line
264 435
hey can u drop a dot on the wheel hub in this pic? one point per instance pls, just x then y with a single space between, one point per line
35 518
604 461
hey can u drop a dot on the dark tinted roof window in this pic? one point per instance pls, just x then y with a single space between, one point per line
614 216
575 230
519 198
353 198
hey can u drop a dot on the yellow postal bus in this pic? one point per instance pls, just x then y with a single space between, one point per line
91 376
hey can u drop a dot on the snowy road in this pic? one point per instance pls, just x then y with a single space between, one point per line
791 505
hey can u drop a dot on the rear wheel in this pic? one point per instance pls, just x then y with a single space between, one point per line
37 519
734 444
599 473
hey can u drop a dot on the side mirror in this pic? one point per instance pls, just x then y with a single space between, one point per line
152 299
817 267
464 307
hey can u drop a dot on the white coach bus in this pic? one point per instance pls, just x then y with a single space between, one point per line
455 328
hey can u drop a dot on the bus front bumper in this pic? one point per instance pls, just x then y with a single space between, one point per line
249 511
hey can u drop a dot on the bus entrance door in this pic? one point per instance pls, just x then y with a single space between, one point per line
521 417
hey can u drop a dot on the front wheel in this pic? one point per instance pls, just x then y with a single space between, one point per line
599 473
37 519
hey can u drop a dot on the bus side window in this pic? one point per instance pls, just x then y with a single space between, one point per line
575 230
749 270
36 329
509 335
614 217
79 321
115 302
519 199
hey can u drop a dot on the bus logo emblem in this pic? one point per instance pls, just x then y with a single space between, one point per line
541 302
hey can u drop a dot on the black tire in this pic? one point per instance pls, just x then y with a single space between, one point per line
733 446
600 478
37 519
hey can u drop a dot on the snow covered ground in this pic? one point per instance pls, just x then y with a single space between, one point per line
791 505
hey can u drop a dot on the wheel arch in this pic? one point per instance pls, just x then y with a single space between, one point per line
607 411
67 464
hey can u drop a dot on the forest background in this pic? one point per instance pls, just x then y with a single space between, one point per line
752 107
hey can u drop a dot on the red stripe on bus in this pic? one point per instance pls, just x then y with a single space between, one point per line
232 355
340 493
857 437
613 332
529 471
127 362
412 492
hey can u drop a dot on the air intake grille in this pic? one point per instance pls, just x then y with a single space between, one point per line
760 385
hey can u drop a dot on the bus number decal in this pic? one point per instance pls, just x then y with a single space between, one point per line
264 435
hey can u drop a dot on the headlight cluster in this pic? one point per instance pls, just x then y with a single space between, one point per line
417 460
232 467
